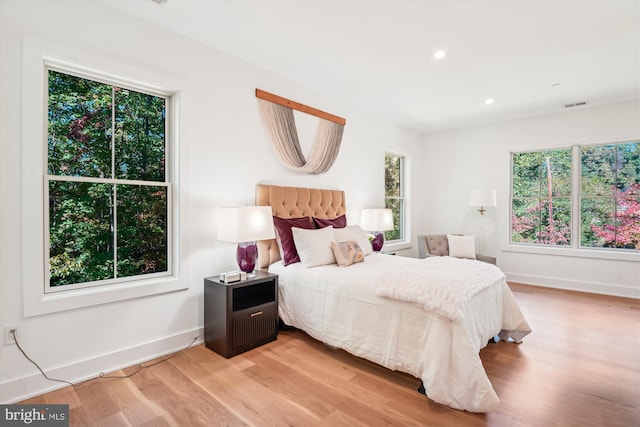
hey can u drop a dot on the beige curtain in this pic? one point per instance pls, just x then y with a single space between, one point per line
281 127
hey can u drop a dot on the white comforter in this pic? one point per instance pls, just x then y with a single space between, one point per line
440 285
339 306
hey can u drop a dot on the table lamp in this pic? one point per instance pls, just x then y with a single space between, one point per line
244 226
376 221
482 197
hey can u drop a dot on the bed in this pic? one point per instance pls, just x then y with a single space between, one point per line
351 307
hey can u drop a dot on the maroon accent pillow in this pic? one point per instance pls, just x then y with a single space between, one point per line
284 236
340 222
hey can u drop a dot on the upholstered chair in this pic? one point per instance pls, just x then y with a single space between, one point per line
438 245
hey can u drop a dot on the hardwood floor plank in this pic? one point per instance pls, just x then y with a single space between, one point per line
579 367
258 404
314 395
249 401
96 396
156 422
135 407
164 383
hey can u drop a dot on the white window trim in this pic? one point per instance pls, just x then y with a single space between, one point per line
53 64
37 56
574 250
405 242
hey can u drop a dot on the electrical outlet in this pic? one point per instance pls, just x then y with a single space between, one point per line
8 336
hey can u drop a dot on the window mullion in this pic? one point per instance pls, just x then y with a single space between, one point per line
540 203
115 231
615 193
115 186
576 201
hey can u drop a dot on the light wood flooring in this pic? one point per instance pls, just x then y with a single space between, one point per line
579 367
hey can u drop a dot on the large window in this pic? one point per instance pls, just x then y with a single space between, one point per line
394 194
610 196
108 192
596 199
541 202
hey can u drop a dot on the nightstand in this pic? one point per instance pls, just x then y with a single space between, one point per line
241 315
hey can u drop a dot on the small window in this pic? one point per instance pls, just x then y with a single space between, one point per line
394 195
108 192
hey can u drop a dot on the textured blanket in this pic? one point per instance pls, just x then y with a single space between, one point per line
441 285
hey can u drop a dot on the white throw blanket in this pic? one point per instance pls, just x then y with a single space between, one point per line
441 285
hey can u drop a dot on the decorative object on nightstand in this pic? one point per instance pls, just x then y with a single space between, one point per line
482 197
376 221
242 315
245 225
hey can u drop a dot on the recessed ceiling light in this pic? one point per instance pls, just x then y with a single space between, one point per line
488 101
439 54
575 104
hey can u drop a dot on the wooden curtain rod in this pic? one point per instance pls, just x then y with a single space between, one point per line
299 107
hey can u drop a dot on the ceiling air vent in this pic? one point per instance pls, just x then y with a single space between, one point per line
159 1
576 104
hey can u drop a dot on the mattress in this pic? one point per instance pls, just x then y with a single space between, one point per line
339 306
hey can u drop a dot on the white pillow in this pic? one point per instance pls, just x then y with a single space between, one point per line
354 232
462 246
314 246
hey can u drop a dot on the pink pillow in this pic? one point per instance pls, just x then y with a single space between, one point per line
347 253
284 236
339 222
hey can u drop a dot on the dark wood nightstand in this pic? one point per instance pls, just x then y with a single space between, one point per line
241 315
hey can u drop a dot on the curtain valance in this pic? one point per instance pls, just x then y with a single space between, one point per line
280 123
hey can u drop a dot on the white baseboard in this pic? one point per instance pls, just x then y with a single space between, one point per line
35 384
572 285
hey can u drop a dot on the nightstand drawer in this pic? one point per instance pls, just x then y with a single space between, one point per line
254 326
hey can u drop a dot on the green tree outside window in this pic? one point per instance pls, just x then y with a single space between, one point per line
608 203
107 187
610 196
394 194
541 202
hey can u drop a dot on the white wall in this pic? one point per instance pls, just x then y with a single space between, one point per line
480 157
223 154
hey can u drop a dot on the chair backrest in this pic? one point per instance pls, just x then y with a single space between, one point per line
438 245
433 244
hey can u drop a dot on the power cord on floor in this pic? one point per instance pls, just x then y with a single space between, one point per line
15 339
101 375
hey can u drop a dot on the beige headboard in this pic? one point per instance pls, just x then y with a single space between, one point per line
295 202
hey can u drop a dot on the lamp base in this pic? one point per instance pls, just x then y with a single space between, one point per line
246 255
378 241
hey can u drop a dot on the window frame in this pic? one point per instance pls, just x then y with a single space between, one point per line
572 221
396 243
581 196
37 55
575 249
166 183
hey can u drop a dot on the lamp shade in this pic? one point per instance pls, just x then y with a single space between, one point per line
482 197
246 224
376 219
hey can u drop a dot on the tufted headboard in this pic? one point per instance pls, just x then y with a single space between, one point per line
295 202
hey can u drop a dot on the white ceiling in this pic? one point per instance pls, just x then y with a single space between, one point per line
531 56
